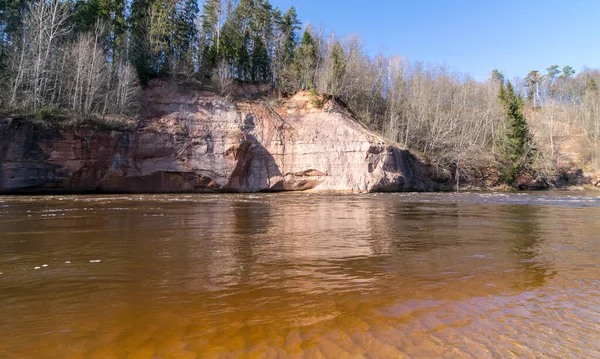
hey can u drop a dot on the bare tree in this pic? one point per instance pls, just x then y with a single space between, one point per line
89 75
222 78
44 28
51 70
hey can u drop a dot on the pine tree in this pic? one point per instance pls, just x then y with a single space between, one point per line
237 48
11 18
211 27
186 34
140 52
163 28
260 61
288 27
337 69
85 15
12 13
497 76
551 77
567 72
514 147
533 81
306 60
111 14
114 13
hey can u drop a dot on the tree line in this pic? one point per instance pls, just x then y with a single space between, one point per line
90 57
52 58
567 107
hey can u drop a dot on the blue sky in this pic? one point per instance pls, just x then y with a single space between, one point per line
471 36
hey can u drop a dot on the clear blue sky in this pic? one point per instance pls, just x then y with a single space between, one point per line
471 36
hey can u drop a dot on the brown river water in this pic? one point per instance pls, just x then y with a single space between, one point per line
301 275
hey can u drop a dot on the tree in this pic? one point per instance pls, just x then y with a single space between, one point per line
533 81
140 53
514 148
51 69
12 13
112 15
591 84
85 15
567 72
306 60
336 69
186 35
260 61
45 26
221 78
551 76
286 27
163 31
497 76
565 91
114 12
553 71
211 30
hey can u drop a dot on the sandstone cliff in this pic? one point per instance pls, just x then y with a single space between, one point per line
195 141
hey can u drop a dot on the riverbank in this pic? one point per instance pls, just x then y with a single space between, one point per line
190 140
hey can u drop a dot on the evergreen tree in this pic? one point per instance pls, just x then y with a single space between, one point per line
163 28
289 26
140 53
567 72
286 27
533 81
514 147
211 31
113 11
306 61
186 33
338 69
237 49
11 18
551 76
85 13
260 61
111 14
497 76
553 72
261 39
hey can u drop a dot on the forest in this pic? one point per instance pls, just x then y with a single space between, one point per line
91 59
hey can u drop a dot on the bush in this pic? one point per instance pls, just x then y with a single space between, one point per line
47 113
317 101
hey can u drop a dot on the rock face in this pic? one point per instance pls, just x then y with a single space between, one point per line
195 141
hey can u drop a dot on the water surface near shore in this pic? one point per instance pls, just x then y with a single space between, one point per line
483 275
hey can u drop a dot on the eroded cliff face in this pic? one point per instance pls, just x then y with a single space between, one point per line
195 141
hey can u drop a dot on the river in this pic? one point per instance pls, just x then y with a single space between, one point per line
467 275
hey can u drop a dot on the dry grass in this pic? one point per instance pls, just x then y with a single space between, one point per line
54 118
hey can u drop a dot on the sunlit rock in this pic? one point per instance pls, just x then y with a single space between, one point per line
194 141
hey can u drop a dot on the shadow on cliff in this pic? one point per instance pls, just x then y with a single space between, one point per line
23 166
255 168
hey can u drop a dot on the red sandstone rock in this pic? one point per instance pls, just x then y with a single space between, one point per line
195 141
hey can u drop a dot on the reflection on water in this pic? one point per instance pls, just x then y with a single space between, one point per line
526 230
296 275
